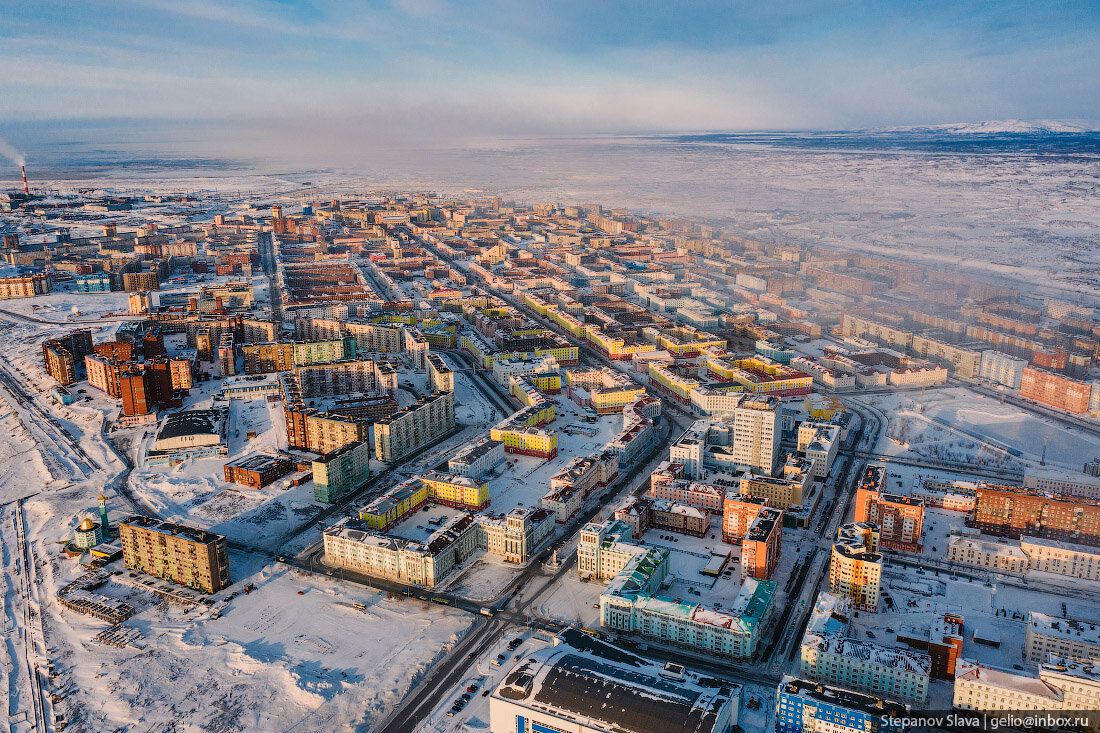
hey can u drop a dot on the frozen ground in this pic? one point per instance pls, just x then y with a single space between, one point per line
275 660
958 425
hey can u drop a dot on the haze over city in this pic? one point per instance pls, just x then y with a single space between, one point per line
600 367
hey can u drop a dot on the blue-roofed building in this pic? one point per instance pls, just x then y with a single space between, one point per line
801 706
93 282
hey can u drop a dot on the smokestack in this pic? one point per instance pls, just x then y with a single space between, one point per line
25 189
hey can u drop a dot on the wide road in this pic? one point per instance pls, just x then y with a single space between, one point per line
511 607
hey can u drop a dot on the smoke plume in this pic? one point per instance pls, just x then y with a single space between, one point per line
7 151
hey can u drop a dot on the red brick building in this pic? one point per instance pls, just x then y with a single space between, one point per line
1009 511
1055 390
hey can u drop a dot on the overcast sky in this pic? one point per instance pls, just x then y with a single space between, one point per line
554 66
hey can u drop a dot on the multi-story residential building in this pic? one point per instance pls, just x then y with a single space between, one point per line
64 356
360 547
639 429
457 491
763 543
693 493
261 358
341 471
1010 511
1061 558
417 346
441 378
900 519
1001 368
343 377
819 442
414 426
104 374
603 390
802 706
1064 637
749 438
26 286
855 567
962 361
192 557
782 492
1000 556
1055 390
1082 487
1061 686
830 656
356 547
226 355
477 459
629 606
395 505
738 513
517 535
522 432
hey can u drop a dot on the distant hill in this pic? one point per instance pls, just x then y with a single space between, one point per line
999 127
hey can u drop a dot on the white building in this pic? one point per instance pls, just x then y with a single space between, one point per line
746 439
475 460
1006 557
1062 685
830 656
1001 368
1062 558
819 442
1073 638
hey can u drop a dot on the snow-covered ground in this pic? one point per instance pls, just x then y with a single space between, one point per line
958 425
274 660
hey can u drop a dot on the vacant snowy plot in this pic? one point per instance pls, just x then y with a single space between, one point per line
275 660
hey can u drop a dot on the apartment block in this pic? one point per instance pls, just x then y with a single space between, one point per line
1063 637
855 567
763 543
414 426
180 554
341 471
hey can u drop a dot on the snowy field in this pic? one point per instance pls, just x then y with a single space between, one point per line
958 425
275 660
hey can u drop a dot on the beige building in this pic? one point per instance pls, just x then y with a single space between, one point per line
1061 686
440 376
855 568
1062 558
413 427
192 557
1073 638
1002 556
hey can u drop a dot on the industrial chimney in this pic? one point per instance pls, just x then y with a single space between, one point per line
25 189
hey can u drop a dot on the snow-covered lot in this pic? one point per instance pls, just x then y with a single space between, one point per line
275 660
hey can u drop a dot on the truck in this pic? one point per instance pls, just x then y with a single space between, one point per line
486 611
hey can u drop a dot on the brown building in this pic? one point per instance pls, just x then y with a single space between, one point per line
64 356
943 641
258 470
147 386
763 544
1009 511
185 555
900 518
